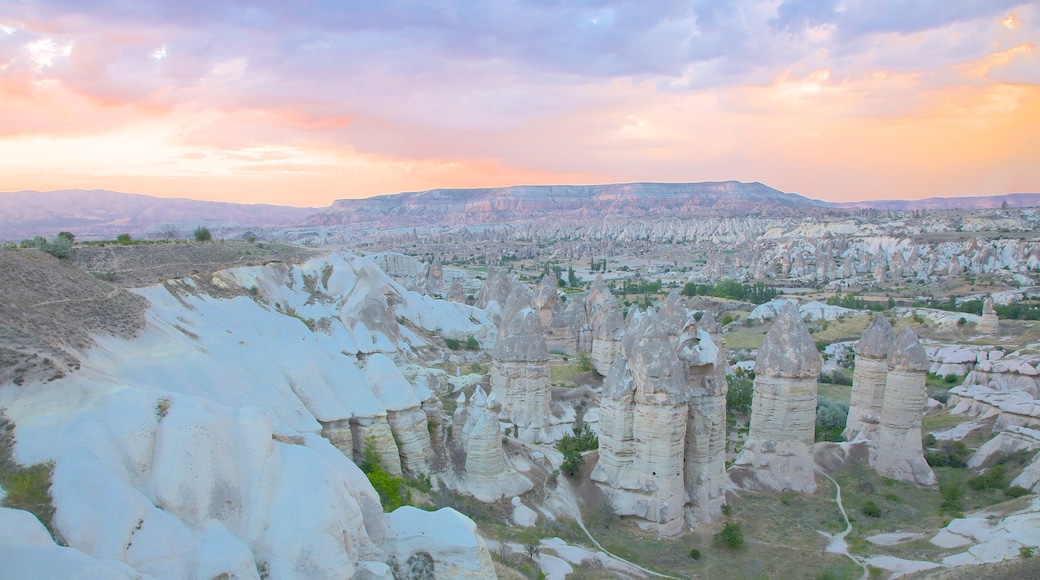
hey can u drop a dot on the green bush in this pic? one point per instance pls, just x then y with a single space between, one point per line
472 344
731 536
584 362
871 509
994 478
393 491
830 419
695 554
1016 491
452 343
202 234
124 239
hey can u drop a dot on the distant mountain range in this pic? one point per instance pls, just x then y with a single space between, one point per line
503 204
101 214
106 214
976 202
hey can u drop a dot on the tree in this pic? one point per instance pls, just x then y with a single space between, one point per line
168 232
572 279
124 239
202 234
67 236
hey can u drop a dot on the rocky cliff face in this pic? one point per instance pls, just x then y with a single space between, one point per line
778 453
898 453
868 380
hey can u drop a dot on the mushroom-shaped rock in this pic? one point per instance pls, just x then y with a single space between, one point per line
778 454
898 452
868 379
788 350
989 324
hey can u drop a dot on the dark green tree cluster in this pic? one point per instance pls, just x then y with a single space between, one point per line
572 447
854 302
757 293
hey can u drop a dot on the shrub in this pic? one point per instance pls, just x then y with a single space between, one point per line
392 491
1027 551
572 463
830 419
871 509
731 536
452 343
124 239
202 234
992 479
472 344
584 362
695 554
739 395
1016 491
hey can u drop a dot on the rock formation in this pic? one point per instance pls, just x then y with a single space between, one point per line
607 326
898 453
559 336
778 454
989 324
408 422
489 475
703 357
673 314
493 294
868 380
643 429
520 368
456 293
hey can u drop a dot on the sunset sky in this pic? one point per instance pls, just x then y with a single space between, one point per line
304 102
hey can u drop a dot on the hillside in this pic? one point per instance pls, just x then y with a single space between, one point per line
106 214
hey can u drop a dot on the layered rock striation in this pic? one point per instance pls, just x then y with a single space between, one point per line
868 380
702 355
898 453
778 454
520 368
643 418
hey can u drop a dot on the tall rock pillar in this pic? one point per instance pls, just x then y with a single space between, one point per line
520 368
898 452
703 355
778 454
868 380
643 429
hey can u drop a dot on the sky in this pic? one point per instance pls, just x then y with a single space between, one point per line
304 102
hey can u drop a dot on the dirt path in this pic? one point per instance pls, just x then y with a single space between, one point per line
571 499
838 544
108 296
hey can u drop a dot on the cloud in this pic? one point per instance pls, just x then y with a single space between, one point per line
624 89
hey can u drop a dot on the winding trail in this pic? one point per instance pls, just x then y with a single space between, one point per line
567 493
838 544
